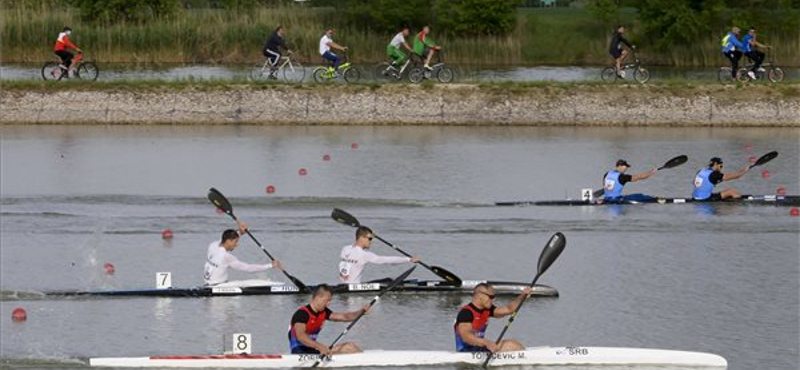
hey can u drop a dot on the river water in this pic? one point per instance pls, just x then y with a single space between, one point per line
721 279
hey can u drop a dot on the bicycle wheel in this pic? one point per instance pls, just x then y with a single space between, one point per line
52 72
609 74
416 75
319 75
445 74
641 75
259 73
724 75
383 72
742 76
88 71
776 74
294 72
351 74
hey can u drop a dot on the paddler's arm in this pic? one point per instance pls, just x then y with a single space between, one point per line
469 337
642 176
512 306
349 316
300 334
735 175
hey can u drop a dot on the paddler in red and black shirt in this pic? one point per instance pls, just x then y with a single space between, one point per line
472 320
308 320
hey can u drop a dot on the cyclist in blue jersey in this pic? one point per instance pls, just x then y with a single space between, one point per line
707 178
751 50
615 180
732 49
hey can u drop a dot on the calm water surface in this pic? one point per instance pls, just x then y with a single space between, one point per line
721 279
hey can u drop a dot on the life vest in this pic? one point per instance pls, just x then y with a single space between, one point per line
480 320
313 326
702 184
611 186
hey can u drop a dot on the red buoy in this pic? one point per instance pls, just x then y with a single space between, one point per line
765 174
795 212
781 190
19 315
270 189
326 157
354 146
109 268
302 172
166 234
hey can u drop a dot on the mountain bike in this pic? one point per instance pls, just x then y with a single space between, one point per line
768 69
54 71
640 74
387 72
439 71
290 69
346 71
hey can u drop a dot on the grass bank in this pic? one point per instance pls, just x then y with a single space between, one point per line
543 36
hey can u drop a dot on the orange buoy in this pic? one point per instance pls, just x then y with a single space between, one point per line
795 212
270 189
302 172
19 315
166 234
765 174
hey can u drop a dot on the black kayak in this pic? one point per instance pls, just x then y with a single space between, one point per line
408 286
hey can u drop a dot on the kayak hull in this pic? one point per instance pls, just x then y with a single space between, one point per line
372 358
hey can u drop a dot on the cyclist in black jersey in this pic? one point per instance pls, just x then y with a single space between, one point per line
616 50
272 49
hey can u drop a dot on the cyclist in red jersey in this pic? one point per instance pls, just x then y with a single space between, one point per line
62 46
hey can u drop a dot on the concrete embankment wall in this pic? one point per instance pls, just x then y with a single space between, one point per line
567 105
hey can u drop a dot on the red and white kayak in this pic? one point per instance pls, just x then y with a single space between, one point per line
530 356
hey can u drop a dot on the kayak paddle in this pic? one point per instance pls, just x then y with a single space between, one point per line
393 284
672 163
549 254
223 204
764 159
343 217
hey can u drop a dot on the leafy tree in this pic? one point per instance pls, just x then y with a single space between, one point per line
112 11
476 17
605 10
385 15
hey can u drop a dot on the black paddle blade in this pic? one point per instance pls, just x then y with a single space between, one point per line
551 251
675 162
220 201
446 275
343 217
765 158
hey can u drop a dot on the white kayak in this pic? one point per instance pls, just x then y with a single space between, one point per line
530 356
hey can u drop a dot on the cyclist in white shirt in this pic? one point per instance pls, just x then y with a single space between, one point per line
326 44
393 49
355 257
220 258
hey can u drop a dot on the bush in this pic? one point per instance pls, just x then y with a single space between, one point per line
113 11
476 17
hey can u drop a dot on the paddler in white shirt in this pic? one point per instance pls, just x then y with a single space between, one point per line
354 257
220 258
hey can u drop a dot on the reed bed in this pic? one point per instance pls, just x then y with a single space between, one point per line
541 37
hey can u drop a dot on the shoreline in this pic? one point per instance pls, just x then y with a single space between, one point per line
501 104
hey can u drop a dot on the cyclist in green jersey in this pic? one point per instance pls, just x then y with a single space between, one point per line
425 47
393 49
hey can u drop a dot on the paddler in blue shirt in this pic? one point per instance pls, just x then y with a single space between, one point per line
615 180
707 178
